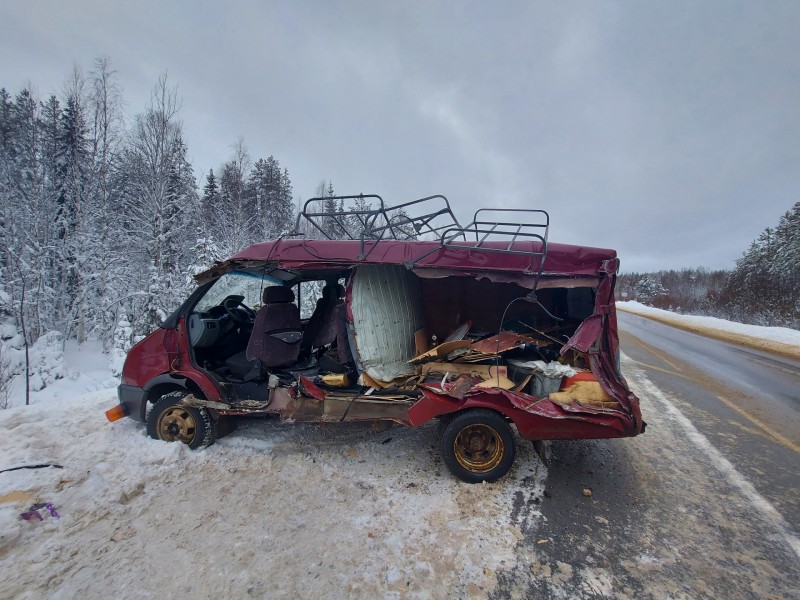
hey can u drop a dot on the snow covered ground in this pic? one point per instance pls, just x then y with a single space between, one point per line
269 511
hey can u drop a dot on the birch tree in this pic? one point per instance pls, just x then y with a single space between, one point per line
159 200
105 101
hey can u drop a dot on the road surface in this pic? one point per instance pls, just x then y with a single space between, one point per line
705 504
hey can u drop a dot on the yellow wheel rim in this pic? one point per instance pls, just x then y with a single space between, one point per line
478 448
176 424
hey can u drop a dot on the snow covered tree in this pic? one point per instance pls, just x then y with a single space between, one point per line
209 203
11 346
648 290
101 226
122 342
211 188
287 202
232 220
269 192
22 221
160 202
762 289
8 176
786 266
204 254
73 212
105 102
329 225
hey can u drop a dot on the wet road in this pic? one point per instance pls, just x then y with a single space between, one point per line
766 386
705 504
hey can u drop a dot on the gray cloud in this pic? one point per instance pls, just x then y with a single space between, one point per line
666 130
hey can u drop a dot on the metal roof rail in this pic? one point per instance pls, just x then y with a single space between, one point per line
431 215
484 228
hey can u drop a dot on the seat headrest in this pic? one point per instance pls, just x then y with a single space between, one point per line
333 291
278 293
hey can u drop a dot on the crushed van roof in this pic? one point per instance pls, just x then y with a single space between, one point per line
561 259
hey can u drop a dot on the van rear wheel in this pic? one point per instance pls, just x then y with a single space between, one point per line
171 421
478 445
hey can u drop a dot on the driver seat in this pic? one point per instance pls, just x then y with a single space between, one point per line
277 331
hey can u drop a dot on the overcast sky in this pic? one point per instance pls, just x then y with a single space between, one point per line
667 130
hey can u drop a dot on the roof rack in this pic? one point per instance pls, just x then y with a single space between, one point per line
484 228
500 228
366 222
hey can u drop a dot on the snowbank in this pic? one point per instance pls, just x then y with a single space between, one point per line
270 511
778 340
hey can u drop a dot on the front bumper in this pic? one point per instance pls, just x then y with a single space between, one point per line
134 400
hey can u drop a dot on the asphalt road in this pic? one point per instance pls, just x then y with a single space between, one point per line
705 504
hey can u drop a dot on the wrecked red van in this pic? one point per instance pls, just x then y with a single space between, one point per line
411 316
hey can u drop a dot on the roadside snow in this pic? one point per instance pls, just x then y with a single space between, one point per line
270 511
780 340
68 373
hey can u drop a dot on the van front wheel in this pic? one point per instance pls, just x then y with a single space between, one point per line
171 421
478 445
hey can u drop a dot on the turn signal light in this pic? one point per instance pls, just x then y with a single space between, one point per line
116 413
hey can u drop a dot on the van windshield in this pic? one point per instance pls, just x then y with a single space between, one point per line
236 283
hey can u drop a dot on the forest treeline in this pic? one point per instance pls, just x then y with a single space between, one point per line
103 224
102 221
762 289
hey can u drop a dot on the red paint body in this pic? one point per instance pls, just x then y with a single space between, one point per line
166 351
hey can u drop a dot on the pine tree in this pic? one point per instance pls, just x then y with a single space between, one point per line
210 203
285 211
7 176
762 289
24 191
232 219
270 196
73 214
211 189
331 225
648 290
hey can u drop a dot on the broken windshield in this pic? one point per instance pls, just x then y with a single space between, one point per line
236 283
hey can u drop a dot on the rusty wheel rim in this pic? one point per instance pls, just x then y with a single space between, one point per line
176 424
478 448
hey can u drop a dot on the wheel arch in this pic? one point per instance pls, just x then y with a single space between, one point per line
433 405
465 408
166 383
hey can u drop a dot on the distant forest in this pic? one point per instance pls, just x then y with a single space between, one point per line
762 289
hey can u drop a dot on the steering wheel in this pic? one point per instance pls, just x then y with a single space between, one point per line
238 310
